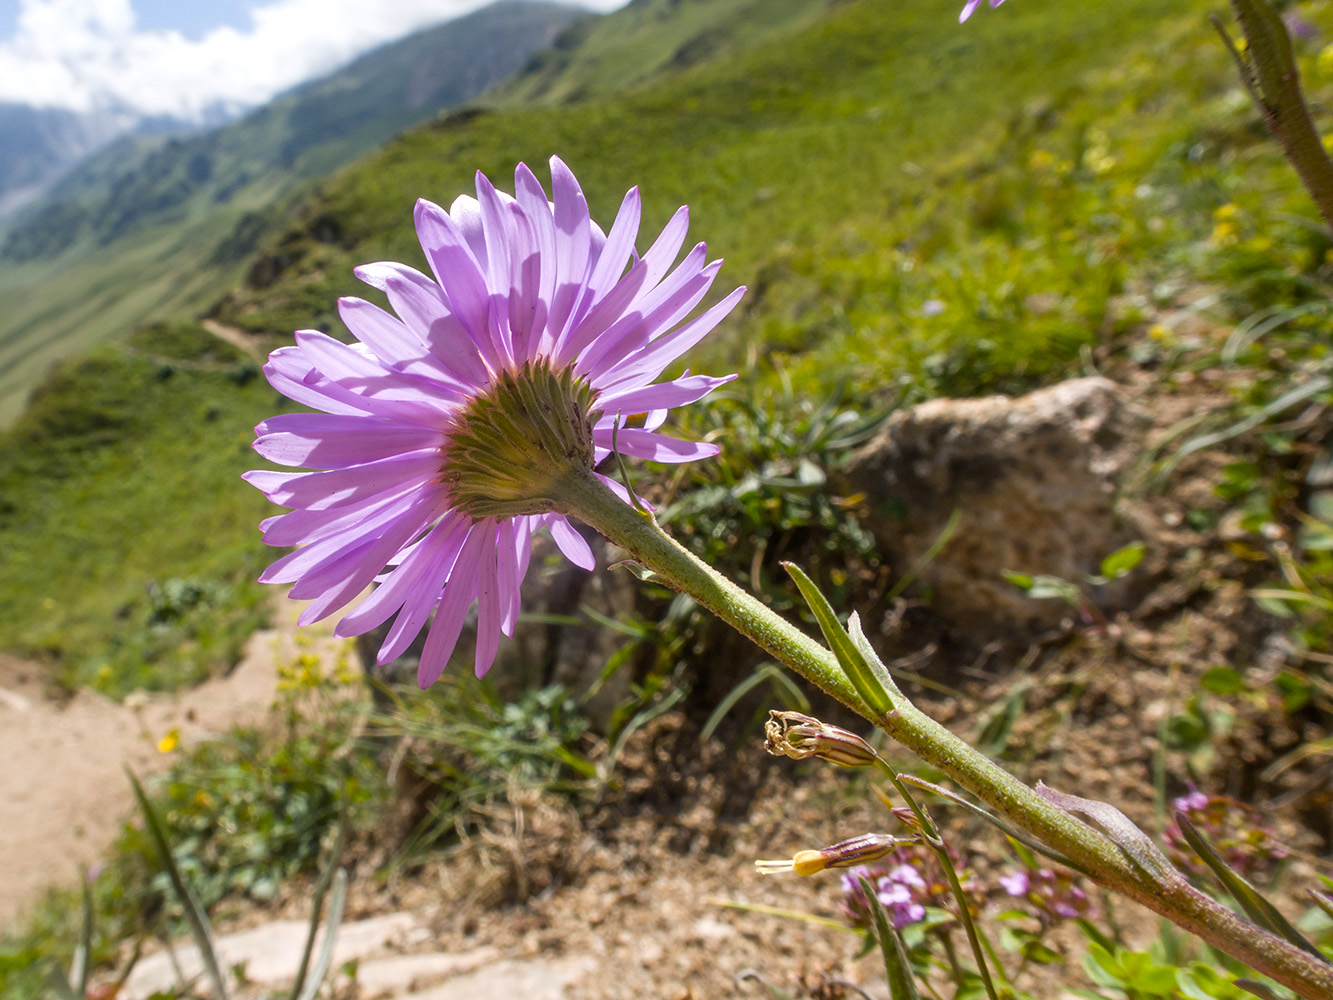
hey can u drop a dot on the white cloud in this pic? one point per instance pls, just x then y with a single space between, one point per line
87 55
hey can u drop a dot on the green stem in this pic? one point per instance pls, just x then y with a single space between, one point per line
638 533
586 497
935 841
1268 68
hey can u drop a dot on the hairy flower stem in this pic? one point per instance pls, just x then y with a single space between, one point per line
1092 852
1268 69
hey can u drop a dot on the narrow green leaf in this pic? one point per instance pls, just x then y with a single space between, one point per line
326 878
850 658
1256 907
1322 900
336 903
877 666
81 966
1122 561
778 911
897 968
1291 597
194 913
765 672
936 547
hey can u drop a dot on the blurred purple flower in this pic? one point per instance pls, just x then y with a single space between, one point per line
1192 801
1298 27
1235 830
906 882
1052 895
972 5
527 295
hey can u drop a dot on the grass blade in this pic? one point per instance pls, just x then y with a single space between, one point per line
766 672
330 936
194 913
317 904
779 911
936 547
81 964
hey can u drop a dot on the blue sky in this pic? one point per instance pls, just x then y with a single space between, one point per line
188 58
193 20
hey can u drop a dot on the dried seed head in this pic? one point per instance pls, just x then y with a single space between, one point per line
791 734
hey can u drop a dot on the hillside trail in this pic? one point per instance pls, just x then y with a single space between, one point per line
232 335
63 788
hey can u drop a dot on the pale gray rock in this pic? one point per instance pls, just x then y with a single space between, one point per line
531 979
267 955
1035 480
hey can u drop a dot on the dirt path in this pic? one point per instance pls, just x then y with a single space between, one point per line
63 790
237 338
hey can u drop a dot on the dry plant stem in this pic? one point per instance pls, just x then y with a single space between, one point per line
1268 69
637 532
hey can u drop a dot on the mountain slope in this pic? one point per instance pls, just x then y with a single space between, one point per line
648 39
818 127
37 145
153 227
304 134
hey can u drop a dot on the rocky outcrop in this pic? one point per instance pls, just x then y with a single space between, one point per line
1034 479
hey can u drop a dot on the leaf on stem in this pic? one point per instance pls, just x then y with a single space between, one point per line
1256 907
1119 829
850 658
897 968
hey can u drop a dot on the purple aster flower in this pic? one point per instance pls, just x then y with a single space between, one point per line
972 5
445 432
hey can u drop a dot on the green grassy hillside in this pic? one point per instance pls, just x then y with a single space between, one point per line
130 554
804 159
917 207
604 56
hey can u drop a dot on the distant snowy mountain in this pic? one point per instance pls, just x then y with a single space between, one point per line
65 175
38 145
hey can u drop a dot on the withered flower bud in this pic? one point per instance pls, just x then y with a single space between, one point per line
791 734
905 816
847 854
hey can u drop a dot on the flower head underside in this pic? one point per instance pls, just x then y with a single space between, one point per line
441 435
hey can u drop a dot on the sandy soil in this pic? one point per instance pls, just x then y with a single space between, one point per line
63 789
